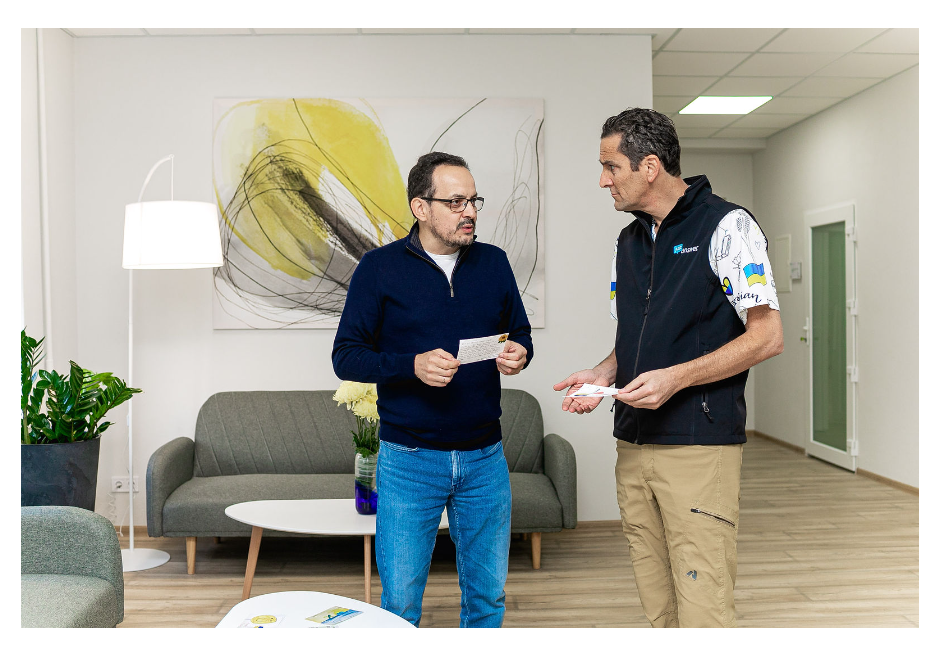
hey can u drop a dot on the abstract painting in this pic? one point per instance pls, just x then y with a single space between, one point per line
305 187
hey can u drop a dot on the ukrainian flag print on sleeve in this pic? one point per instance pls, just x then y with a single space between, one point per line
738 254
614 282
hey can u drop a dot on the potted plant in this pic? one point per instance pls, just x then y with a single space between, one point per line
60 447
361 399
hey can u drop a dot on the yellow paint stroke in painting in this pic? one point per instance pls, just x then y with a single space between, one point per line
299 166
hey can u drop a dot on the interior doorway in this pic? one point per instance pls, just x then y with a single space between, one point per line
831 253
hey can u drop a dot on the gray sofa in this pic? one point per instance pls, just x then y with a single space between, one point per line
251 446
70 566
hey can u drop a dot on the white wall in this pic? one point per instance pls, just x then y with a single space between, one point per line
30 238
137 100
730 175
863 150
60 160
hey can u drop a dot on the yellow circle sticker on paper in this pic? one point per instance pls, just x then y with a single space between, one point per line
264 619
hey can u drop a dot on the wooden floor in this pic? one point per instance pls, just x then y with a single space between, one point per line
818 547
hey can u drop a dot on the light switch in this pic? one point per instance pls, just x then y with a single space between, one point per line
795 270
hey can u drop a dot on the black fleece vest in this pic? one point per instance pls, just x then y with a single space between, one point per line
672 309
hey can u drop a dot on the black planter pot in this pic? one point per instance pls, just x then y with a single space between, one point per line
59 474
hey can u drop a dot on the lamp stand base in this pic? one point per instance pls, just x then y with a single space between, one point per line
140 559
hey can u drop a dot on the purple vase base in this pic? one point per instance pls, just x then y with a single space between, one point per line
365 498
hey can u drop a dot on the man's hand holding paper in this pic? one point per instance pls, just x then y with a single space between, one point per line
510 356
512 359
574 382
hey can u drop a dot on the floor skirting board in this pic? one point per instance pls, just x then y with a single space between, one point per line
862 472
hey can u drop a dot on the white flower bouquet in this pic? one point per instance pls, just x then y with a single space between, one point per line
361 399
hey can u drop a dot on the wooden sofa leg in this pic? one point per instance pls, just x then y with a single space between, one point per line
537 548
191 555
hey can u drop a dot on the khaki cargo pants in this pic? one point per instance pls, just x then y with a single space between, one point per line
679 512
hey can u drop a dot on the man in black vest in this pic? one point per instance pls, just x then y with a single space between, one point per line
696 307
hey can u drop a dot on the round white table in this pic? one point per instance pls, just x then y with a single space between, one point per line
294 607
311 516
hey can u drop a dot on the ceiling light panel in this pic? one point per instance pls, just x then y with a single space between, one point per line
724 105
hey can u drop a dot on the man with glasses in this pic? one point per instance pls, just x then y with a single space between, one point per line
408 305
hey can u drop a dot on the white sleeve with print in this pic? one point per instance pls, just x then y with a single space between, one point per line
738 254
614 282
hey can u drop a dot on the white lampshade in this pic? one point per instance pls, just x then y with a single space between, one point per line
171 235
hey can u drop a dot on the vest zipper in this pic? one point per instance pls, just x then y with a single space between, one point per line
640 338
709 514
705 398
705 407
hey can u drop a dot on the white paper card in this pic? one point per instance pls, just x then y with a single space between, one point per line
474 350
589 390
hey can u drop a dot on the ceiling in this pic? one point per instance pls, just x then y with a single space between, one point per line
805 70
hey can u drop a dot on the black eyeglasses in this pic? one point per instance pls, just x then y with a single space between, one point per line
458 204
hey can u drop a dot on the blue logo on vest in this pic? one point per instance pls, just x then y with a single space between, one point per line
679 249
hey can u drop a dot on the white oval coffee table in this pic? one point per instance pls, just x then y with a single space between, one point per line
294 607
310 516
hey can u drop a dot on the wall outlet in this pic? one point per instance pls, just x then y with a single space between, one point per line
119 484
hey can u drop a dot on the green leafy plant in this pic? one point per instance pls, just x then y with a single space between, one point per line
366 441
31 355
75 404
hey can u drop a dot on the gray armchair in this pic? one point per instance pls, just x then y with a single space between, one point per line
71 571
542 472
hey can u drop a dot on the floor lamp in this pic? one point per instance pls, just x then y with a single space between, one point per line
166 235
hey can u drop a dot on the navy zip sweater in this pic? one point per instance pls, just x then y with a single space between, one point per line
401 304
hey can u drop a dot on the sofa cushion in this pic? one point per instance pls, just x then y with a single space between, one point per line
273 432
198 506
62 601
536 506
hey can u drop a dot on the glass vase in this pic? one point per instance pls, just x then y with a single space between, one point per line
364 488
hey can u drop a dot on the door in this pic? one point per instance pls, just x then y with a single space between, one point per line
831 254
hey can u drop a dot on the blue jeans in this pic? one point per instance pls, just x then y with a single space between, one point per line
415 485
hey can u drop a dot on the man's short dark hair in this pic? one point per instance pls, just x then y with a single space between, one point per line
420 177
644 132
